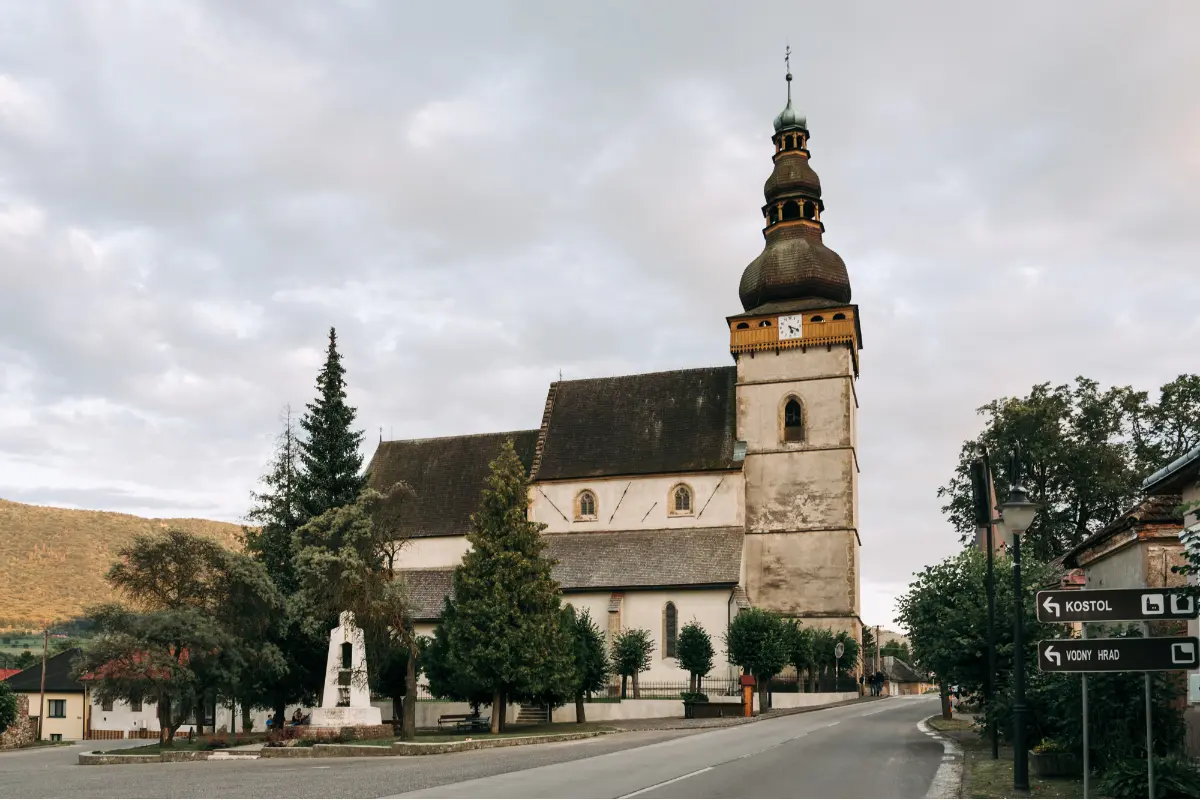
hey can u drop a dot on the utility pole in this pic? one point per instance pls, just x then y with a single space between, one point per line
877 662
42 699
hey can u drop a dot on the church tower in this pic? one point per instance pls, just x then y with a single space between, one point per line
796 345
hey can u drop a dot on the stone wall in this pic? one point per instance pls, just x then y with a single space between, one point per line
22 731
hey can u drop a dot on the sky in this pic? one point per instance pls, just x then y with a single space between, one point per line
480 195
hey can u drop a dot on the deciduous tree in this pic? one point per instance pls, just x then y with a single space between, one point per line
757 641
591 666
8 706
695 653
632 651
1086 451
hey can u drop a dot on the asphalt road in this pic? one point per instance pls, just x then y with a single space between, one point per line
867 750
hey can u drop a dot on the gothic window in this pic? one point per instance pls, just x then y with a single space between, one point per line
839 316
347 655
810 209
681 500
670 631
793 421
741 326
585 505
791 210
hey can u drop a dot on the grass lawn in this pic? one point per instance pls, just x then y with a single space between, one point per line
985 777
155 749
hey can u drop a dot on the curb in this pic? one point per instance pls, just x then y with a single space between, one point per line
416 749
769 714
948 780
95 758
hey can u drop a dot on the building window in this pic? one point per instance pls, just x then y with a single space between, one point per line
135 704
681 500
791 210
839 316
670 631
793 421
741 326
810 209
766 323
56 737
106 705
817 318
58 709
585 505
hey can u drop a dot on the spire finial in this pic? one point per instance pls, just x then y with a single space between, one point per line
787 64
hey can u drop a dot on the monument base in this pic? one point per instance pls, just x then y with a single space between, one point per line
345 717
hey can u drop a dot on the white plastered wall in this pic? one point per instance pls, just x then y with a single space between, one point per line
641 503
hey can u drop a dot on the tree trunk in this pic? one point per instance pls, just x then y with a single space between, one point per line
503 711
636 693
247 722
947 713
580 714
497 696
692 682
198 714
624 684
278 711
164 717
410 696
762 694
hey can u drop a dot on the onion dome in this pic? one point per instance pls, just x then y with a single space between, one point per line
795 264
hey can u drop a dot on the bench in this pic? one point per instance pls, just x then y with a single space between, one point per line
465 722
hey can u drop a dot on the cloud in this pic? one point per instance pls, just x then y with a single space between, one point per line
480 196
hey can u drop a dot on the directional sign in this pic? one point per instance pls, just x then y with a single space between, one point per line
1115 605
1162 654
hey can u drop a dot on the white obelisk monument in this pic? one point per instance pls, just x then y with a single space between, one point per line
346 700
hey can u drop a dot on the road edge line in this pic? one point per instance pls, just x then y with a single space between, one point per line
948 780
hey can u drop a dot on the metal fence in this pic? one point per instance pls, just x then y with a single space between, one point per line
670 690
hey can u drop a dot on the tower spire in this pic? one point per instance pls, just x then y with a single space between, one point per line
787 65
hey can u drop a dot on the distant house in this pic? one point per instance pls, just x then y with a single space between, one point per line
1182 477
903 678
65 703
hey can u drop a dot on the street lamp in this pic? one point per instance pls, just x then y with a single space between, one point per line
1016 515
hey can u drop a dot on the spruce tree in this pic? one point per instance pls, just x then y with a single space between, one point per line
504 631
331 476
277 511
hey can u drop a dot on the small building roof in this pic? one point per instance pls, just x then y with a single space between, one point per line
59 675
1174 476
675 558
1162 509
660 422
447 475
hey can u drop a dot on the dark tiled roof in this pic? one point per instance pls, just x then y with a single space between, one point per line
792 175
1161 509
447 475
681 421
427 588
632 559
613 560
794 264
59 675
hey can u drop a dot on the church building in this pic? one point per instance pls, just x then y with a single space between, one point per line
692 494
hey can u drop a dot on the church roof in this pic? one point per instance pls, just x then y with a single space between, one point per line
678 557
660 422
447 475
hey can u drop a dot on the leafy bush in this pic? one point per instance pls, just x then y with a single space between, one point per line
8 706
693 697
1049 746
1173 777
216 743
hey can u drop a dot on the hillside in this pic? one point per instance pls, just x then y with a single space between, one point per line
53 560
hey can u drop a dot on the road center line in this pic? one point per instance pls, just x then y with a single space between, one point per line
664 783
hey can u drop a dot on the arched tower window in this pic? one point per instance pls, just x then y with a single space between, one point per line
810 209
766 323
670 631
791 210
839 316
817 318
741 326
793 421
585 505
681 500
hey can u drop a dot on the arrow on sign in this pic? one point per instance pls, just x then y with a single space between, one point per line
1053 655
1051 606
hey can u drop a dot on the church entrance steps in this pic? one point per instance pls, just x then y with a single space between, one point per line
532 715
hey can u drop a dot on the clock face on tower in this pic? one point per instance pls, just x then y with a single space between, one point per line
789 327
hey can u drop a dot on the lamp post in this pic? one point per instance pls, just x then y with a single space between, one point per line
1016 515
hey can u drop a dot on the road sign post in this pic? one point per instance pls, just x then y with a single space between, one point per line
1115 605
